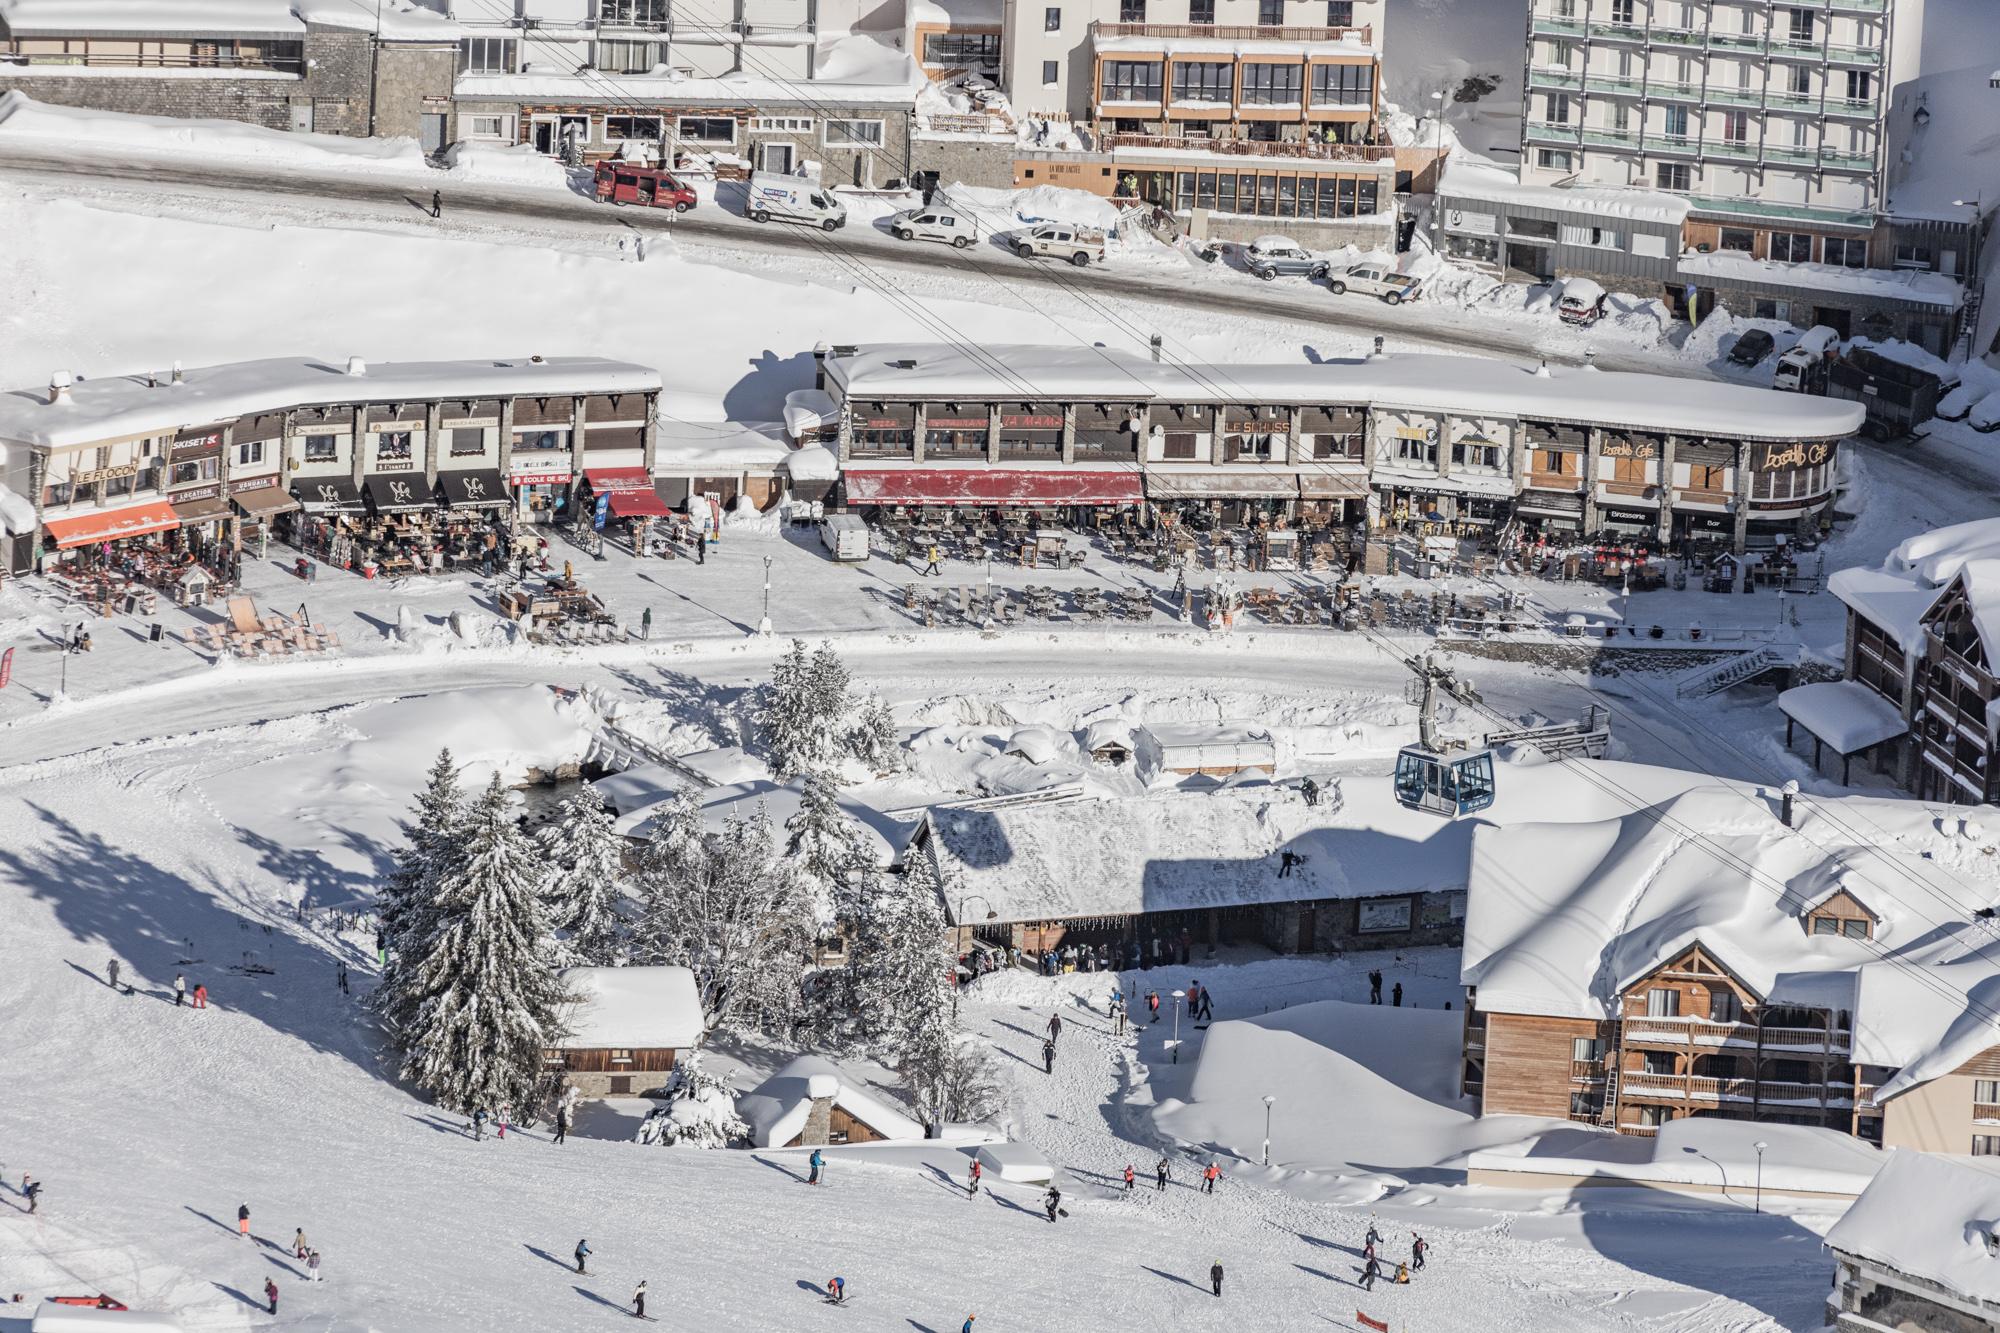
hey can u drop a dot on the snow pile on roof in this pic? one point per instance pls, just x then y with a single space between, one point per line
630 1007
118 406
17 512
1889 284
957 13
400 20
1845 714
779 802
1562 917
1700 1150
1433 382
809 410
705 447
1350 48
53 1318
1934 1218
1167 748
1896 596
850 69
1471 179
776 1110
222 18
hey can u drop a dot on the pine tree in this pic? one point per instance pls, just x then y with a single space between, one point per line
875 740
479 998
431 842
823 841
785 718
902 965
701 1112
730 910
583 879
829 685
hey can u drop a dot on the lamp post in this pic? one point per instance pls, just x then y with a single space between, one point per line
1179 995
958 922
988 623
1760 1146
764 625
1717 1165
1269 1101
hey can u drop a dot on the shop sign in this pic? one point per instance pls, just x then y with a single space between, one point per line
1030 421
603 512
105 473
253 483
1384 915
1792 457
1630 448
955 423
186 493
189 442
540 478
394 465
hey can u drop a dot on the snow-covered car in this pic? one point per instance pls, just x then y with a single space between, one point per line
1957 405
1274 256
1985 417
1375 280
1752 346
935 223
1059 240
1582 302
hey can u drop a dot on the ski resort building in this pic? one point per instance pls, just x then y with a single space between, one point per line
625 1027
812 1103
1923 648
1468 439
1729 953
205 458
1920 1249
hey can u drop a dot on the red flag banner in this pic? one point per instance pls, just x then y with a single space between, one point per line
6 668
1379 1325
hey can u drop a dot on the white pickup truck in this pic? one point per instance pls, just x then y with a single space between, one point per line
1059 240
1374 280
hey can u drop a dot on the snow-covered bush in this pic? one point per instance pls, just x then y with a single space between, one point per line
700 1110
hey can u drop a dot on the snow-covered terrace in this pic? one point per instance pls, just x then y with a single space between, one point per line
118 407
1886 284
1896 596
1466 178
1347 48
1471 385
851 70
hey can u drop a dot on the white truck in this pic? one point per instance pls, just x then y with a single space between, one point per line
935 223
845 537
793 199
1803 367
1374 280
1081 246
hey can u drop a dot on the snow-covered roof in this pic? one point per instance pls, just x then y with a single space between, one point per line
1185 746
401 20
631 1007
776 1110
126 406
705 447
1703 1151
1951 162
1428 382
1469 179
1843 713
883 833
1177 850
1888 284
1930 1217
852 70
809 410
1561 917
957 13
1896 596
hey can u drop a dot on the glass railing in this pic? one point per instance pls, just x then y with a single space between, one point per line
1601 83
1854 55
1544 132
1734 96
1863 109
1556 27
1729 151
1676 37
1857 6
1611 138
1669 143
1846 161
1554 78
1794 157
1792 101
1617 32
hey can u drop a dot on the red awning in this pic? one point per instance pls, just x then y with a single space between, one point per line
638 504
110 525
606 479
991 486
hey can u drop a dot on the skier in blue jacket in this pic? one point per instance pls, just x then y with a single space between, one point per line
815 1162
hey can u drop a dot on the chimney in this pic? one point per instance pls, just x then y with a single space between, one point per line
1788 791
356 366
179 378
820 349
1156 343
59 387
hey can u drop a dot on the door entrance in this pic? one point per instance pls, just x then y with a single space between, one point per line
431 132
1840 321
775 158
1308 929
302 117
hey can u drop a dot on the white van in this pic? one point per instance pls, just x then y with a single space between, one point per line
939 223
1803 367
793 199
845 536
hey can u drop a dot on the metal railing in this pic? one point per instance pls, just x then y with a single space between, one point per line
219 60
1312 150
1233 32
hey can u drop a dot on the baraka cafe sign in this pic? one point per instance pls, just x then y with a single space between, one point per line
1792 457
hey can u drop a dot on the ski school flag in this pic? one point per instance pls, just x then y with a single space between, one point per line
1379 1325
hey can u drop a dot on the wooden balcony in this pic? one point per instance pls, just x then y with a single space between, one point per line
1232 32
1682 1032
1306 150
1682 1088
1586 1071
1554 481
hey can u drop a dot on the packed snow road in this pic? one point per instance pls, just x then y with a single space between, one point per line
861 253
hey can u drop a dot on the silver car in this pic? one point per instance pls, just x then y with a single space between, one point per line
1273 256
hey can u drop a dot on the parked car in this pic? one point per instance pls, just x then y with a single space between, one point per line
1271 256
845 537
793 199
1375 280
1582 302
1803 367
1059 240
937 223
1752 346
1958 404
1985 416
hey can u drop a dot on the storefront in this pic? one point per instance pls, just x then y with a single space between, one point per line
541 488
130 541
258 501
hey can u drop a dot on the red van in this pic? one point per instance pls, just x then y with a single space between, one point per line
650 187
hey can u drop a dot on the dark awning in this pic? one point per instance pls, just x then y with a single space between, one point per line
327 494
992 486
638 504
203 510
259 501
474 488
397 492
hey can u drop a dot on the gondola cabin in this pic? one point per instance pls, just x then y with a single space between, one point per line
1426 780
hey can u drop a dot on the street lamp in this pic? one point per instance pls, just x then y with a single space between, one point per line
988 623
1269 1101
958 922
1760 1146
764 625
1175 1044
1712 1162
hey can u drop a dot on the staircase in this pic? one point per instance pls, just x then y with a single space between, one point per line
1734 671
1968 325
1588 737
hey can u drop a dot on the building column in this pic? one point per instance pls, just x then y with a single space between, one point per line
923 412
506 436
576 430
1742 514
433 420
1667 463
1593 449
1069 433
649 434
357 437
993 433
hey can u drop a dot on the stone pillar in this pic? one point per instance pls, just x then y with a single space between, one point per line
649 433
993 433
1069 433
1742 514
822 1088
923 414
506 435
433 423
576 433
1593 449
1667 463
357 439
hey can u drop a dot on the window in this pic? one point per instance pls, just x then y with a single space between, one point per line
706 129
1738 238
322 448
1131 11
1621 11
632 11
1052 19
1410 450
467 439
1178 444
1663 1003
634 127
1339 13
486 55
252 452
1343 85
1790 247
1554 159
1800 28
1597 238
630 57
1203 81
1986 1145
1270 13
1555 109
1534 229
535 441
1860 86
1723 1006
392 445
1475 451
1201 12
1855 928
1130 81
1913 256
1673 176
1271 85
1586 1048
1621 117
1051 73
1630 471
1675 120
1825 925
854 133
781 124
962 48
1798 80
1845 253
200 469
490 127
1986 1090
1562 54
1735 126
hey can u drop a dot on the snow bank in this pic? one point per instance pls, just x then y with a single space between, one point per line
1935 1218
505 164
1701 1151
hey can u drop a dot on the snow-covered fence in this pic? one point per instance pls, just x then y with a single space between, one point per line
617 749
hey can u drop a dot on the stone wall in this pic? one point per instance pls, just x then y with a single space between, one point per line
265 101
971 161
410 81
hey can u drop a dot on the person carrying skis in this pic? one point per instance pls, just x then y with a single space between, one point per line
1370 1273
271 1296
1209 1175
815 1162
1128 1177
243 1220
1153 1003
1215 1277
1053 1202
1118 1013
836 1290
180 990
972 1186
639 1299
1160 1174
1049 1057
1418 1247
582 1253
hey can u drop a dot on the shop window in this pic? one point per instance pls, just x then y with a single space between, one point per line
249 452
1343 85
1843 252
1791 247
651 128
532 441
392 446
1738 238
322 448
467 440
1203 80
1130 81
1272 85
706 129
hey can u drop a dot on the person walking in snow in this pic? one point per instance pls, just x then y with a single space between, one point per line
312 1266
972 1185
966 1327
1215 1277
815 1162
1370 1273
1396 996
582 1253
437 203
1209 1175
1048 1057
340 978
478 1124
243 1220
1117 1013
1160 1176
1055 1028
1153 1003
299 1243
1129 1178
1310 790
1375 987
505 1114
270 1296
201 995
1286 860
639 1299
1053 1202
1207 1013
1374 1237
111 970
1419 1247
562 1124
932 560
32 1189
180 990
836 1290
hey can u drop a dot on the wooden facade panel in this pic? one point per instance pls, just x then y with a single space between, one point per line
1528 1063
600 1060
1986 1064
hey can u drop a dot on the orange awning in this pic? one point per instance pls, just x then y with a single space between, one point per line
112 524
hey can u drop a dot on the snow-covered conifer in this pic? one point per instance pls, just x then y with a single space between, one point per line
583 879
823 841
875 740
902 966
701 1110
431 840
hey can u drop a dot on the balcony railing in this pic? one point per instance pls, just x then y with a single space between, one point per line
217 60
1311 150
1677 1087
1231 32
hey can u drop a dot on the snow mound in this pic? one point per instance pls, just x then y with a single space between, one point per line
505 164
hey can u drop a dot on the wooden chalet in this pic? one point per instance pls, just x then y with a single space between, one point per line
625 1028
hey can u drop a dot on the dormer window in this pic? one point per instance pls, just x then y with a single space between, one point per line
1841 914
